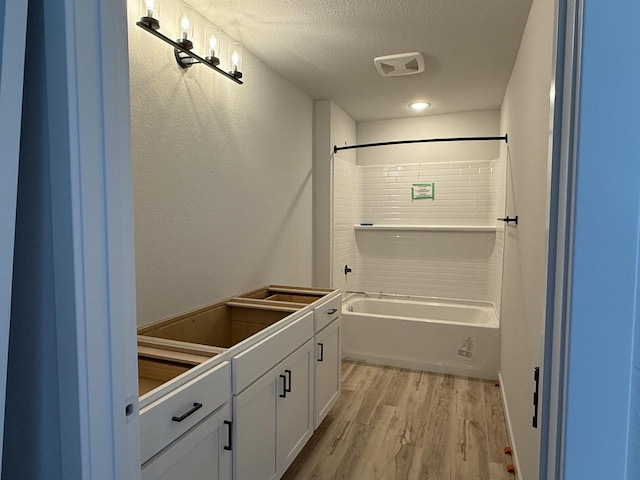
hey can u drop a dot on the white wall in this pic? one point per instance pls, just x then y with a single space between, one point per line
222 172
465 124
526 118
332 126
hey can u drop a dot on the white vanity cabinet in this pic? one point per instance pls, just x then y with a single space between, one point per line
236 389
255 427
170 416
295 406
327 310
186 433
327 366
274 418
202 453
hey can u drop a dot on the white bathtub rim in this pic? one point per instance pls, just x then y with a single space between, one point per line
439 301
470 305
493 323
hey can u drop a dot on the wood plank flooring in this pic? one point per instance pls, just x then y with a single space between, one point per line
397 424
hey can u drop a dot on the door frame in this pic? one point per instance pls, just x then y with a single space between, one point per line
588 387
93 244
13 34
106 78
566 84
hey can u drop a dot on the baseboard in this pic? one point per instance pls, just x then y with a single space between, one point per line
514 453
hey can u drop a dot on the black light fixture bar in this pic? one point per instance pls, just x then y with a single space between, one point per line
189 53
336 149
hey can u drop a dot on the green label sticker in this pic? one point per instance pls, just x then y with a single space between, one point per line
423 191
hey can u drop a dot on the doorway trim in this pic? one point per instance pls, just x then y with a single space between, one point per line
562 181
13 34
93 245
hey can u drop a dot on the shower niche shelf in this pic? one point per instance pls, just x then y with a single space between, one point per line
427 228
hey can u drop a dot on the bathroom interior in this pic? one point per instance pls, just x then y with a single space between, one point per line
421 264
238 185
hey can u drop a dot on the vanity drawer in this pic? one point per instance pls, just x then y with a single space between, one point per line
258 359
327 311
166 419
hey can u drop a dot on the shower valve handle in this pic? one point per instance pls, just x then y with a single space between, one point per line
347 269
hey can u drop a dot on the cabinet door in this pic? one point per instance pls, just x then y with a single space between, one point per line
254 410
295 410
200 454
328 354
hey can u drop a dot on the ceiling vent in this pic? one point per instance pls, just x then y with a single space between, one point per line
400 64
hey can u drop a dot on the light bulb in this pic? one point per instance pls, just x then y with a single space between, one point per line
213 43
235 59
184 24
417 106
150 4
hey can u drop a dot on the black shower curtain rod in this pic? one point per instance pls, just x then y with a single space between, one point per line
336 149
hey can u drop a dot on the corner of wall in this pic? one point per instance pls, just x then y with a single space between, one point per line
332 126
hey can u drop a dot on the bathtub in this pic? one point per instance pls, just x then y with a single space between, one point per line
454 337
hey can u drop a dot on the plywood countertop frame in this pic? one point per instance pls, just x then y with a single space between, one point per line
294 310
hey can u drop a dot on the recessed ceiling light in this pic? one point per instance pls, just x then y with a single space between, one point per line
417 106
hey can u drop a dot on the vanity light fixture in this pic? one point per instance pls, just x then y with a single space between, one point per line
183 46
419 106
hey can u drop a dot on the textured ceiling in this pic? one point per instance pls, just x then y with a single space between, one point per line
327 48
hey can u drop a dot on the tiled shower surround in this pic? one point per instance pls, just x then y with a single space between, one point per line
453 264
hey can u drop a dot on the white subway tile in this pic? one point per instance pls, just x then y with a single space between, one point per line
420 264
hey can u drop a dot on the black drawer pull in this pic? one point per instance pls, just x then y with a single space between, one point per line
321 345
288 372
196 406
284 387
230 424
331 311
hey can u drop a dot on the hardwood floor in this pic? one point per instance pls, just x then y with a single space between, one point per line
397 424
